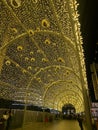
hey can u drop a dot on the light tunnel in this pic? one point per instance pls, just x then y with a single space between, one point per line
60 93
41 54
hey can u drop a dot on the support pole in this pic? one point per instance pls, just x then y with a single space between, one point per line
87 110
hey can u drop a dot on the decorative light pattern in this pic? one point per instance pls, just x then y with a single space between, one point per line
43 63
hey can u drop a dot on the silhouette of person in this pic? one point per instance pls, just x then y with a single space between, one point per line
2 124
9 120
80 120
3 121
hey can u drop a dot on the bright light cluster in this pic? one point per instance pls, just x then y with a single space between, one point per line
41 54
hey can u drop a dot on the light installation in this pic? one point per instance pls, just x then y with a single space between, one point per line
41 54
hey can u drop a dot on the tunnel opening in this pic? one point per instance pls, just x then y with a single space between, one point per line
68 111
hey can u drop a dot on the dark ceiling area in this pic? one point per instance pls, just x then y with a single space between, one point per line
88 10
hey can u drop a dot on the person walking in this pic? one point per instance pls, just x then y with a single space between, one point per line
80 121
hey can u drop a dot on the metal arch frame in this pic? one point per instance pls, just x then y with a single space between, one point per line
73 20
43 69
62 95
40 31
69 99
57 67
50 86
55 15
56 82
76 28
12 12
60 90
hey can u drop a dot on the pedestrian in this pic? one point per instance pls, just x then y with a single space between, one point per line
80 121
46 119
9 120
3 121
2 124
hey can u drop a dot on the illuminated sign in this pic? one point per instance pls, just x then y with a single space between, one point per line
94 109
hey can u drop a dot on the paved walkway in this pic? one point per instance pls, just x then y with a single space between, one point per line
56 125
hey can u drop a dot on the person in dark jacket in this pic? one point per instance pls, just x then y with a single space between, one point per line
80 121
3 121
2 124
9 120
